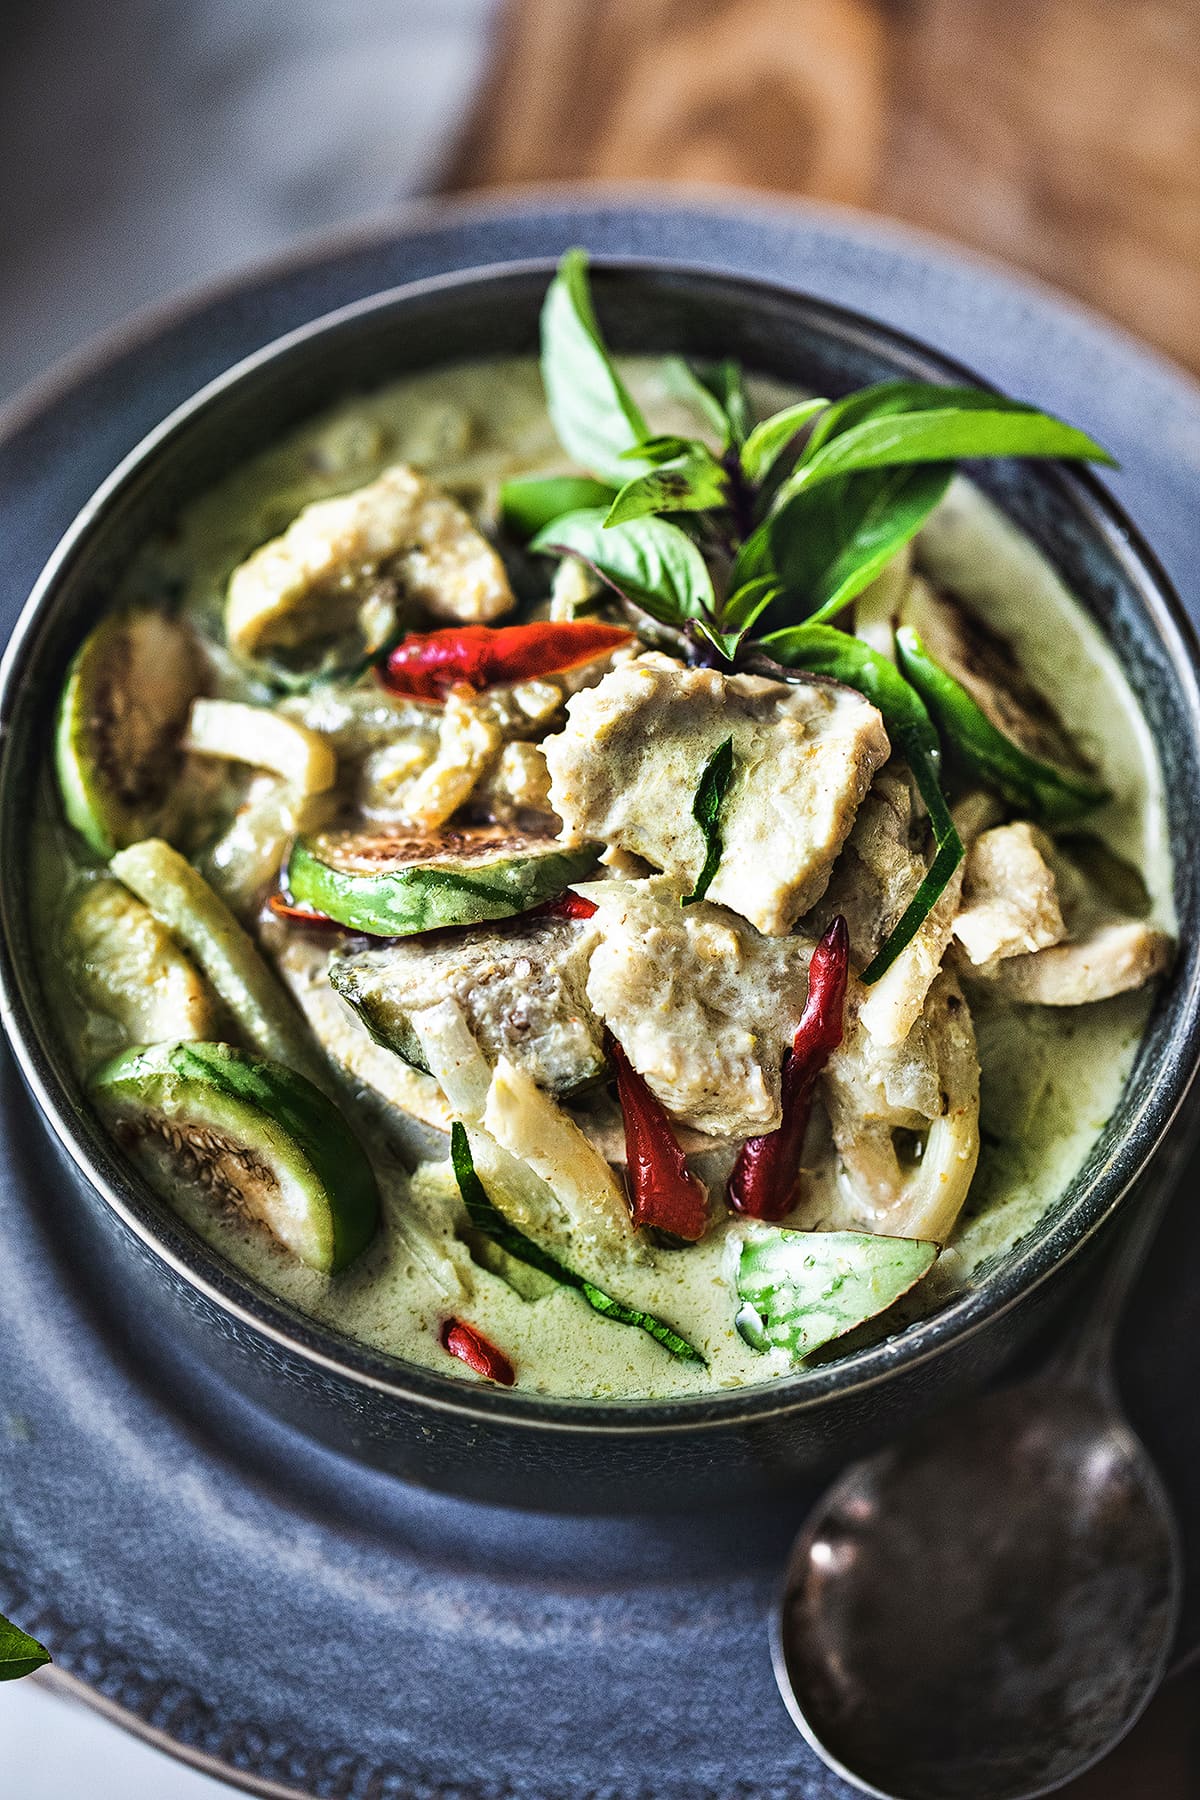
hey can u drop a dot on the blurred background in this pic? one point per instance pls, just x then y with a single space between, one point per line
146 145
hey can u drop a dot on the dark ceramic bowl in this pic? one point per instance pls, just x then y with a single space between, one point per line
482 1441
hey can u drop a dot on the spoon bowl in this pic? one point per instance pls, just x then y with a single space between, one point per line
982 1611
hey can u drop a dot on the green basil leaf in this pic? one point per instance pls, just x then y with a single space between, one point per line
746 604
824 651
1055 795
942 435
650 561
487 1219
717 391
19 1653
696 482
594 414
530 502
773 435
706 810
886 398
657 450
829 543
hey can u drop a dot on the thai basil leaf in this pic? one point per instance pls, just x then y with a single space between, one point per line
746 604
886 398
706 810
802 1289
657 450
1057 796
594 414
696 482
19 1653
946 434
773 436
824 651
649 561
828 544
717 391
487 1219
530 502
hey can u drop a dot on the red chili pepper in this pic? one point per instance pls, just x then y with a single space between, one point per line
428 664
470 1346
663 1191
564 906
763 1183
303 915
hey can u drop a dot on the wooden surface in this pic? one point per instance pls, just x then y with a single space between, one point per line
1061 135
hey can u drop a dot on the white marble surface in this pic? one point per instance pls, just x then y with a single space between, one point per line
146 145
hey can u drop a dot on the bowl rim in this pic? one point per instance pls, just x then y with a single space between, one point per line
1028 1267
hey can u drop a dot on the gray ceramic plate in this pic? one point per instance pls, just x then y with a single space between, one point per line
295 1622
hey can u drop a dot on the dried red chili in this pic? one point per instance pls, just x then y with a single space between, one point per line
763 1183
564 906
302 915
428 664
471 1347
663 1192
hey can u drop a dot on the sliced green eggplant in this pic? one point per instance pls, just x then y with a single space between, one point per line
123 962
120 721
253 1135
394 884
200 921
522 988
802 1289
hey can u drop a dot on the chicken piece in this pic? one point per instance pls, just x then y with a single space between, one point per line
702 1005
928 1086
879 871
1111 958
628 765
520 985
309 583
469 741
880 867
1010 903
516 786
895 1002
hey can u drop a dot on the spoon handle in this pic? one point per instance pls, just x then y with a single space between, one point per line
1087 1356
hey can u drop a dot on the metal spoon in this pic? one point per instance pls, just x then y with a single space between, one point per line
982 1611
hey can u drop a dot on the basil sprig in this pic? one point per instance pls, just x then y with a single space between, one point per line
824 651
1055 795
19 1653
487 1219
713 786
530 502
595 416
759 545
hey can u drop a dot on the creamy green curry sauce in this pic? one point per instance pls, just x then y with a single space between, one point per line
1051 1075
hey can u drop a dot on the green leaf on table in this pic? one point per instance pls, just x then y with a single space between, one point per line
594 414
829 543
487 1219
529 502
713 786
693 482
649 561
19 1653
802 1289
772 436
